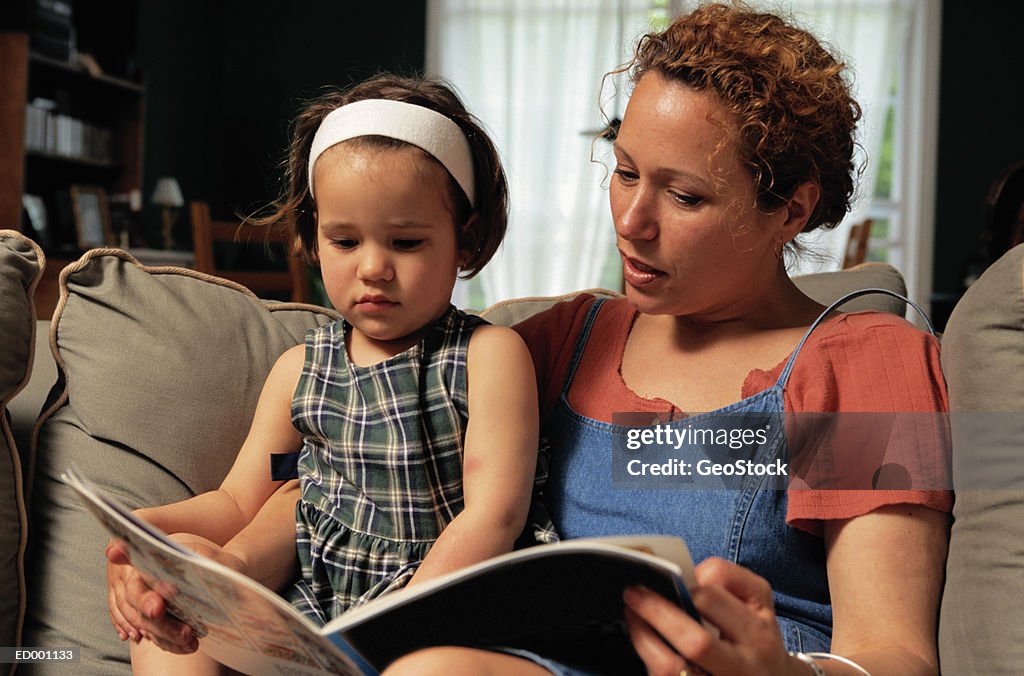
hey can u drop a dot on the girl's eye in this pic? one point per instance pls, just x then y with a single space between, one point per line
344 243
407 244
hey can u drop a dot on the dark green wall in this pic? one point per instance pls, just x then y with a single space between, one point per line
224 78
981 125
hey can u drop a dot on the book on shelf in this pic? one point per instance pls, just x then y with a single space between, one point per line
559 591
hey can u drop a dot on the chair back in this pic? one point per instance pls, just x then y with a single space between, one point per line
857 244
206 232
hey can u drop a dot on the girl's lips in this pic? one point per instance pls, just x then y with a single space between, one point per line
637 273
375 304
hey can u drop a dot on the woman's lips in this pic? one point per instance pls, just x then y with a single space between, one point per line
638 274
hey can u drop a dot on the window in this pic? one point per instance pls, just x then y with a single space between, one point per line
532 71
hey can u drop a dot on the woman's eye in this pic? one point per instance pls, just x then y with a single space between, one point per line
686 199
344 243
625 175
407 244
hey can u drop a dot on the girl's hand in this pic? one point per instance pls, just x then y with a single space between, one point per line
123 616
139 609
730 597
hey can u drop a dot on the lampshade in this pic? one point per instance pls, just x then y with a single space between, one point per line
168 193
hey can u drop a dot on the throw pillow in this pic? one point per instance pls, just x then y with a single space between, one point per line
21 266
160 370
983 361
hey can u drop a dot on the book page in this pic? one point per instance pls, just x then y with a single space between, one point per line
568 591
240 623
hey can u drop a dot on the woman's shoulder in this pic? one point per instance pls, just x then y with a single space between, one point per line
868 361
869 320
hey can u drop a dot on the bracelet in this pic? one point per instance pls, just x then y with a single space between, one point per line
816 669
839 658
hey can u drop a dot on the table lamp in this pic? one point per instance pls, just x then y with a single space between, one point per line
168 195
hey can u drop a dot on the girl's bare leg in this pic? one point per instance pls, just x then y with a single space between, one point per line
149 660
469 661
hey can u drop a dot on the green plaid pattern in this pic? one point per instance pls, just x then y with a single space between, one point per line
381 465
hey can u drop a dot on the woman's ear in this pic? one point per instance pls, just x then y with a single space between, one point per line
799 209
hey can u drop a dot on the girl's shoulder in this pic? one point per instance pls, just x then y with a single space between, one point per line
326 331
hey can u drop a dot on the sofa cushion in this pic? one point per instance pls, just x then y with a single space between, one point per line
983 361
160 370
21 266
824 287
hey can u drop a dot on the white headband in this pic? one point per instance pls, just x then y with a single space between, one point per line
422 127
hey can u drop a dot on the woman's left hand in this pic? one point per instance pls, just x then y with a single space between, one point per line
733 599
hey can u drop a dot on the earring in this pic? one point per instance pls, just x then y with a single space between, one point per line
779 246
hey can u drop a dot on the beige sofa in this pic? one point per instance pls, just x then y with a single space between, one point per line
147 377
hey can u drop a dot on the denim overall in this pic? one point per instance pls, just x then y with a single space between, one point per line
740 523
743 520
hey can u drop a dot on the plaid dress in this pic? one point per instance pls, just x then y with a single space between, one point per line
381 464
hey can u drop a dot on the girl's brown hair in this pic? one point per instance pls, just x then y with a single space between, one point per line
479 237
794 114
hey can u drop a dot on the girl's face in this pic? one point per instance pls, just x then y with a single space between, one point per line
692 241
386 239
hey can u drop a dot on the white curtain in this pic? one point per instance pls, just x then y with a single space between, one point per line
870 36
531 70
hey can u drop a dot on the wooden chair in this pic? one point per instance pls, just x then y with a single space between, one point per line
857 244
292 282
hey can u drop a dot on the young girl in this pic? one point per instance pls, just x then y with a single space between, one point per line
394 190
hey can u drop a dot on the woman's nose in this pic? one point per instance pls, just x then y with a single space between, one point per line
635 216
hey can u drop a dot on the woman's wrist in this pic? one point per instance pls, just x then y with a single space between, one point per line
810 662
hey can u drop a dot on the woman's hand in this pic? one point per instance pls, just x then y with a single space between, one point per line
138 607
733 599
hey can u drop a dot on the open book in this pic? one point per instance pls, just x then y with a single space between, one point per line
556 591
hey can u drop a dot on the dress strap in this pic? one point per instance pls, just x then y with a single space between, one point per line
784 376
581 343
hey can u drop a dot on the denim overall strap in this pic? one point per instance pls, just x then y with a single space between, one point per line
581 343
784 376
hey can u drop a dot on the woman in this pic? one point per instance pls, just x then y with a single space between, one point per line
737 138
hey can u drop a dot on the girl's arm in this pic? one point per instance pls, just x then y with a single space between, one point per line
265 549
500 457
222 514
219 514
885 572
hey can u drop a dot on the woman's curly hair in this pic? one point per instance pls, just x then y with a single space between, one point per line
794 114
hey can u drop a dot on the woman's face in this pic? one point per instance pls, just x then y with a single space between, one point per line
692 241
